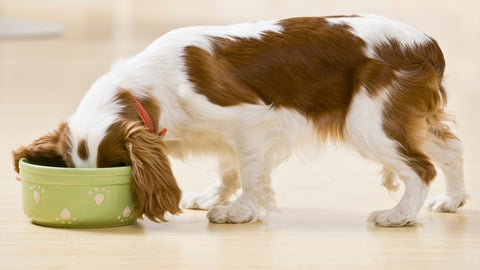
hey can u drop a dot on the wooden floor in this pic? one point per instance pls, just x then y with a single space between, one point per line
323 201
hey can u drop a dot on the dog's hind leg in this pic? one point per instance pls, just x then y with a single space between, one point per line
389 179
446 151
365 129
416 190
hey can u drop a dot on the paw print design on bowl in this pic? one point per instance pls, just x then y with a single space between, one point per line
77 197
65 217
126 215
98 194
37 190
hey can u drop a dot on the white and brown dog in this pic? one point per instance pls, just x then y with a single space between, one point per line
249 93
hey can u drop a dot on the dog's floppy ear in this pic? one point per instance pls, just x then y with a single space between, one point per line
50 150
154 186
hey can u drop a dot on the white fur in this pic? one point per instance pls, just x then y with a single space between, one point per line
375 29
96 112
249 140
448 155
364 127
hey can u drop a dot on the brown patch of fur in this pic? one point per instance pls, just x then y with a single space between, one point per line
439 128
154 186
416 101
50 150
82 149
112 151
129 112
312 67
316 68
128 142
153 183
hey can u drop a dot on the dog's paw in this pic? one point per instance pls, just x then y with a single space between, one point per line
446 204
233 213
198 201
391 218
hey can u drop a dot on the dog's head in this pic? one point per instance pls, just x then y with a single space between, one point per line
107 139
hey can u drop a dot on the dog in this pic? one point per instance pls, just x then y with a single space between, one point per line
250 93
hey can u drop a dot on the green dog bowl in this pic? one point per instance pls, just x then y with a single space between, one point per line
77 197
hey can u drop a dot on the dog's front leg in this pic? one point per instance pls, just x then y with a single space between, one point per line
220 192
257 195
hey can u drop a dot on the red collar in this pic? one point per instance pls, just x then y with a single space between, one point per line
147 121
